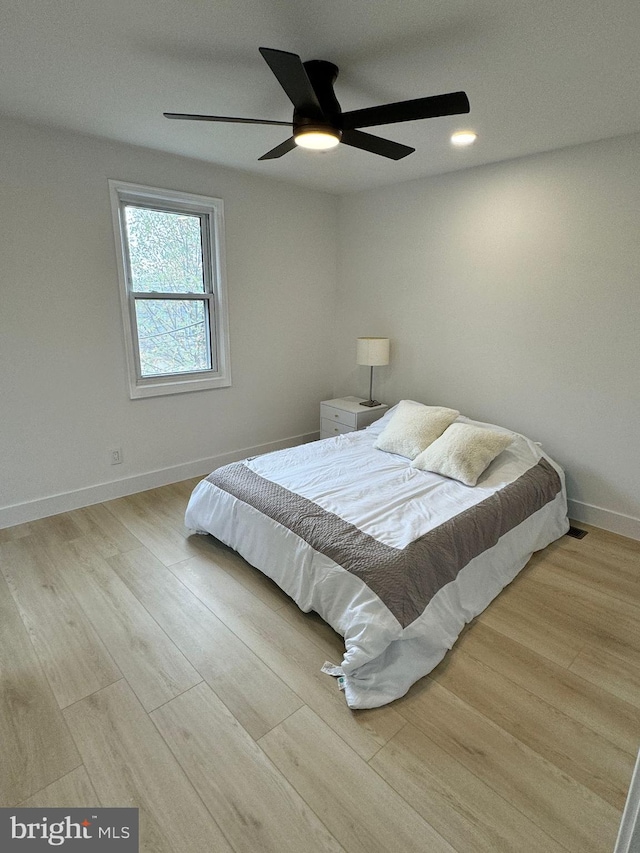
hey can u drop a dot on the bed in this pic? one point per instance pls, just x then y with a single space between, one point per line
396 559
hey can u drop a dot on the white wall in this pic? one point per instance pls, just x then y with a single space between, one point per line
511 292
63 392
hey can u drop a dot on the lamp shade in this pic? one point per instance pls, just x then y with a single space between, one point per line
372 351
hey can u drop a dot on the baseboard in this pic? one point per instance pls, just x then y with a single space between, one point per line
616 522
66 501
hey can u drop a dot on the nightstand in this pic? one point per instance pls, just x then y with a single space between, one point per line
345 414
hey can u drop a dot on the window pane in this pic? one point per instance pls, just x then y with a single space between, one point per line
173 336
165 251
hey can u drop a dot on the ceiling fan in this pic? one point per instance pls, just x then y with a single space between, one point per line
318 121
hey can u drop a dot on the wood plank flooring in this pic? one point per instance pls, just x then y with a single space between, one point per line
142 666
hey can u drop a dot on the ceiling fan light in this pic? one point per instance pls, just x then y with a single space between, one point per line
317 139
461 138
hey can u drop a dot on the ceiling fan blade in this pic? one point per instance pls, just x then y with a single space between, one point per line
292 76
279 150
376 145
191 117
454 103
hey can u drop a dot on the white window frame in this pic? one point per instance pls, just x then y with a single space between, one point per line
211 214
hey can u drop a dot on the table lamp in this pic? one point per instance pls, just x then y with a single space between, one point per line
372 352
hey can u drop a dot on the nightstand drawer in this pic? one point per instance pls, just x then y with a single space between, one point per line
340 416
330 428
348 415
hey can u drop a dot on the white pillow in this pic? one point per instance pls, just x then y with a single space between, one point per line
463 452
413 427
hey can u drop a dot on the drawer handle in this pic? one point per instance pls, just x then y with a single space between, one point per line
336 429
336 416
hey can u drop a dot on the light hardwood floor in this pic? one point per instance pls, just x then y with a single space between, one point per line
142 666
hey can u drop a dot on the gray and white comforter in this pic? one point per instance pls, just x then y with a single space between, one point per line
395 559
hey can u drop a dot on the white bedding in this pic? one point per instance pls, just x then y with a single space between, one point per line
380 495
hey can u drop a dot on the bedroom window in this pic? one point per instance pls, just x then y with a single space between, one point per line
172 288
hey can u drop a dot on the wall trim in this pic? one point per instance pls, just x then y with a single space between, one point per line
615 522
66 501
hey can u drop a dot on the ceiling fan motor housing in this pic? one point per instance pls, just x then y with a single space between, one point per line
306 118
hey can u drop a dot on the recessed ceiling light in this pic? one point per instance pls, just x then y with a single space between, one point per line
463 137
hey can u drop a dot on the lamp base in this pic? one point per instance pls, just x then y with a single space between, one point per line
370 403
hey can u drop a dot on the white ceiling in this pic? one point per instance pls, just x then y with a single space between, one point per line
540 74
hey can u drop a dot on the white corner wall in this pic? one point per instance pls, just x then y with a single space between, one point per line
511 292
63 392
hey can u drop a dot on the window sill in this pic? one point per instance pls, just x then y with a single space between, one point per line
164 386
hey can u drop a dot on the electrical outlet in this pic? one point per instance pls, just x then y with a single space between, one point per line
116 456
